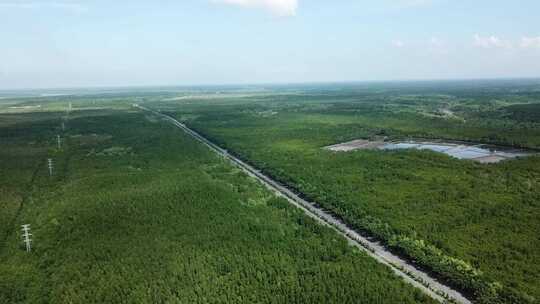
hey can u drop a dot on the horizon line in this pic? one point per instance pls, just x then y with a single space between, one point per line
238 84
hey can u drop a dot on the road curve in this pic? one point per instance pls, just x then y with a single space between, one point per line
400 267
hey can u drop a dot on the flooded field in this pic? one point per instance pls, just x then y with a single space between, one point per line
480 153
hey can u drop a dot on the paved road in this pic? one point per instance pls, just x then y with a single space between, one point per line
400 267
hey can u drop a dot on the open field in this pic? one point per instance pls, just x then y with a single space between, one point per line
138 212
476 225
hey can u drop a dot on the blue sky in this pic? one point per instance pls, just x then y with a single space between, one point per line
185 42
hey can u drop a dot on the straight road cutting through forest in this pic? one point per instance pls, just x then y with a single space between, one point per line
399 266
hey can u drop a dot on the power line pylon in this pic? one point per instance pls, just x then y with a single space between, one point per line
50 166
26 237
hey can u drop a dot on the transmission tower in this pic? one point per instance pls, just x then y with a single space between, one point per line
50 166
26 237
58 142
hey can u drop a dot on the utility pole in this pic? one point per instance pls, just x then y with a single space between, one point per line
63 126
26 237
59 142
50 166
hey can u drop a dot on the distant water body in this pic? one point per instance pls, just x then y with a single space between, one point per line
480 153
477 152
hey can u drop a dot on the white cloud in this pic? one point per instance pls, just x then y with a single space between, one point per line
277 7
530 42
438 46
491 42
436 42
398 43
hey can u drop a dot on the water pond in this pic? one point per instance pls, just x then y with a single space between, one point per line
477 152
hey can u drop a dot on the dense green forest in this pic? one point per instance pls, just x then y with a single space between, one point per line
475 225
137 212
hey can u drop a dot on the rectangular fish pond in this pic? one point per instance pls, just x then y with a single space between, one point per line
476 152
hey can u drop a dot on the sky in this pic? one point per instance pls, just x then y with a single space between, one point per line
56 43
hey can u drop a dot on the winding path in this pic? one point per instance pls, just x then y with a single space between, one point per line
400 267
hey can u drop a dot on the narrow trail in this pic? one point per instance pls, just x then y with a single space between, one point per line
416 277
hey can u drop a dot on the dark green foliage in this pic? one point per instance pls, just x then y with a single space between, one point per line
474 224
523 112
168 222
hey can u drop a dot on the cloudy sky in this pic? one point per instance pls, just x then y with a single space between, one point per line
55 43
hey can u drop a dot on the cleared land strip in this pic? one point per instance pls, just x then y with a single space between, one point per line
400 267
